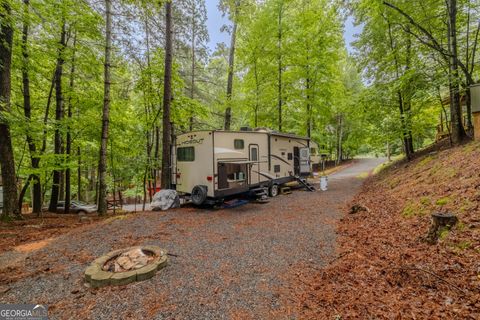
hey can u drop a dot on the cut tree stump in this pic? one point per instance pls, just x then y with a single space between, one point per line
357 208
440 221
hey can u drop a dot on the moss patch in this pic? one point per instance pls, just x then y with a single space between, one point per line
413 208
443 201
424 162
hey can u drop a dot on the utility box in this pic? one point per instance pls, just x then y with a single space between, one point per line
475 103
475 96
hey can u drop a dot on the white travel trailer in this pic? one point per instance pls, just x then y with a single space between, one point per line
211 166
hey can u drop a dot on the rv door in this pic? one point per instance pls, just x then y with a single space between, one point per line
304 161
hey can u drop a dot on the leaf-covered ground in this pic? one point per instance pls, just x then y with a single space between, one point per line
384 268
226 264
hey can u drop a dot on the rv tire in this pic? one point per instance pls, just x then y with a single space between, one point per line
273 190
199 195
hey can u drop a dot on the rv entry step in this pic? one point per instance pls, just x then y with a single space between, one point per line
305 184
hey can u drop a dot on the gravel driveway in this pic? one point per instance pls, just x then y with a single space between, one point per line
228 264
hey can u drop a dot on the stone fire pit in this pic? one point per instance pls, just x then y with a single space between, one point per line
120 267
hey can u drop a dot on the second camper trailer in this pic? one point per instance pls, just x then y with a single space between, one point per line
211 166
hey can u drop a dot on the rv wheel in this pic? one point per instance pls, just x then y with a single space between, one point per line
273 190
199 194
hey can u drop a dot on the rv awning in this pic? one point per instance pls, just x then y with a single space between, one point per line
239 161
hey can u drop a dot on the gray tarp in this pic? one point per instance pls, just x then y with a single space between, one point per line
164 200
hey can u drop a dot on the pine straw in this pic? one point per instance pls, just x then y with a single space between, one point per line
384 269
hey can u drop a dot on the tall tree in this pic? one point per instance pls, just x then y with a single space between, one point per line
102 162
68 148
450 55
27 107
280 62
231 65
167 99
458 132
198 35
57 172
6 151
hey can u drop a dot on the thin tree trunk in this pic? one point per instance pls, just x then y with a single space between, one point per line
58 118
309 106
156 157
167 97
69 133
23 191
192 79
102 163
339 138
280 66
401 105
257 92
408 103
231 65
47 112
35 160
458 132
144 189
7 162
79 175
113 176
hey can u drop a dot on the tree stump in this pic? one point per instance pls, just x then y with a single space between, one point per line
440 221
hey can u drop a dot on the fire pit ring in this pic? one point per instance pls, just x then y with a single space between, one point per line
109 269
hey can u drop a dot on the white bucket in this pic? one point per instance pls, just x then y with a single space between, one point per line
323 183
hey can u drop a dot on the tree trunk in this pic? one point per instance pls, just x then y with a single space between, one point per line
167 97
339 138
458 132
79 175
102 162
144 189
407 146
280 66
7 162
192 78
35 160
156 157
231 65
257 92
407 104
152 138
309 107
22 192
69 133
58 118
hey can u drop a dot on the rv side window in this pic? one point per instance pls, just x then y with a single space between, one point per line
238 144
290 156
276 168
186 154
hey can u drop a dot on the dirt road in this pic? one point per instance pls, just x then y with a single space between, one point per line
229 264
